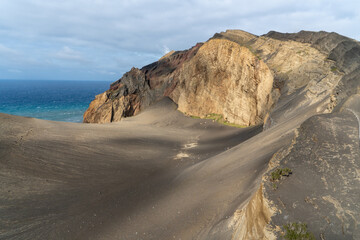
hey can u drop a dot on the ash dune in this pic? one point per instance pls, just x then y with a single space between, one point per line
118 181
151 172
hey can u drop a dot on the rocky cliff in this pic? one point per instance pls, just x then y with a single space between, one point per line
217 77
235 74
225 78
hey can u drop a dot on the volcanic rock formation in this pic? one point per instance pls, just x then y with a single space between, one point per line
235 74
217 77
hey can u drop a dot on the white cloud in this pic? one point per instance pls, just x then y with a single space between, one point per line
14 71
132 30
166 50
107 72
7 50
66 53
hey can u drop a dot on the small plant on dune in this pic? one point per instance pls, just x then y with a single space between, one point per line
276 175
297 231
286 172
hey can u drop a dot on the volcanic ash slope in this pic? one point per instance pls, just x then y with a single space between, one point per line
311 73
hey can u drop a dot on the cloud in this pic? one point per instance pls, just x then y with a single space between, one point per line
7 51
14 71
166 49
66 53
122 34
107 72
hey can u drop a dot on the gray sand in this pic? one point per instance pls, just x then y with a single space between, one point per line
159 175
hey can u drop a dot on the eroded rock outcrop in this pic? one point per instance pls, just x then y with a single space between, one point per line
138 88
304 75
122 100
229 75
323 190
252 222
217 77
227 79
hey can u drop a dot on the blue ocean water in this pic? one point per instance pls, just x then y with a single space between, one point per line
51 100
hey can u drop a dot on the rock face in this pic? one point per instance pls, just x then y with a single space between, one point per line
323 189
303 74
122 100
239 76
227 79
217 77
137 89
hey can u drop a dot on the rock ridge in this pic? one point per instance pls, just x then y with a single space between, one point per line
306 68
216 77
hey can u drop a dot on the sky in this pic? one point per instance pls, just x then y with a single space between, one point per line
103 39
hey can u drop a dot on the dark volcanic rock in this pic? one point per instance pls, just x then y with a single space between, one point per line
323 190
344 51
137 89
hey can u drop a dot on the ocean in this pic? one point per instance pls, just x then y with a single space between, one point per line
49 99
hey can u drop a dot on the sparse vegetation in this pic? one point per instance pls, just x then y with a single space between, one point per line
277 173
214 116
333 69
297 231
220 119
286 172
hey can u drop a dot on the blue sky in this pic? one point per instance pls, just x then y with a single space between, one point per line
102 39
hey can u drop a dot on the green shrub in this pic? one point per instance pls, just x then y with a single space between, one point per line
276 175
297 231
286 172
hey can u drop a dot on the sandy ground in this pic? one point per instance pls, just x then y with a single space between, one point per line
159 175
